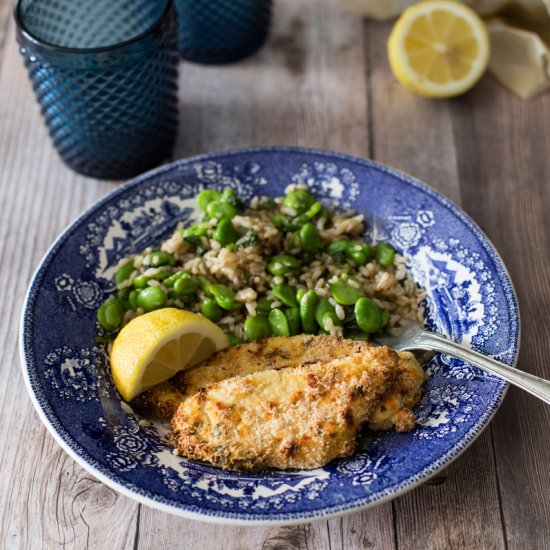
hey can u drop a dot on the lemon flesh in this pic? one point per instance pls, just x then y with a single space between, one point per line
153 347
439 48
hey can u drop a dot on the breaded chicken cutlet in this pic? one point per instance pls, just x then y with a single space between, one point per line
296 417
276 353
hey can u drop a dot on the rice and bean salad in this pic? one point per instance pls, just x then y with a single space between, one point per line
277 267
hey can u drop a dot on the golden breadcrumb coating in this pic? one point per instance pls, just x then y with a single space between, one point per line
270 353
394 409
296 417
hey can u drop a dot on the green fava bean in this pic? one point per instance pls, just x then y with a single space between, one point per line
281 264
221 210
299 200
110 314
169 281
194 231
385 317
230 197
357 256
300 293
186 285
225 233
293 318
211 310
280 222
308 305
132 299
159 258
331 315
322 308
293 241
151 298
339 246
346 294
224 296
114 312
256 327
163 273
278 323
310 239
100 315
286 294
207 196
276 268
368 315
385 255
298 222
367 250
263 306
205 285
140 281
232 340
358 336
124 271
124 294
314 209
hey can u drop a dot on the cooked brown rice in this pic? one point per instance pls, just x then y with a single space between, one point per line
244 269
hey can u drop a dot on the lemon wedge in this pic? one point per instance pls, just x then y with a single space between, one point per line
439 48
153 347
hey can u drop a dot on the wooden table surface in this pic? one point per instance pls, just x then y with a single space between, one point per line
322 81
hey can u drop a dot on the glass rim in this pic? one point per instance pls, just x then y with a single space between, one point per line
49 46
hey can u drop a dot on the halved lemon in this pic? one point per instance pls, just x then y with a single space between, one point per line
153 347
439 48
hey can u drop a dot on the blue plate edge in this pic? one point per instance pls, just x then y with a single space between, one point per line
50 419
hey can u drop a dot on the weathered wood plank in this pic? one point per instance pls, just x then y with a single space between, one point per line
438 515
505 172
306 87
408 132
370 529
5 14
417 136
47 500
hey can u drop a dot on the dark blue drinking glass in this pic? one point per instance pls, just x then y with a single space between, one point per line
221 31
105 76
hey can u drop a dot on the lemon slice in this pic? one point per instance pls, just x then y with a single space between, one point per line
153 347
439 48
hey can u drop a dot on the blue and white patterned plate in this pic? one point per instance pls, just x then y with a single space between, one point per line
469 297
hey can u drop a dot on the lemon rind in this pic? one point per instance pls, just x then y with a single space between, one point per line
400 63
129 378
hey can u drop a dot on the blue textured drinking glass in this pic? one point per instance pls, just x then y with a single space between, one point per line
221 31
105 76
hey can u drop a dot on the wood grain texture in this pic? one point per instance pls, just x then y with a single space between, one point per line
322 81
5 14
47 500
510 198
409 132
306 87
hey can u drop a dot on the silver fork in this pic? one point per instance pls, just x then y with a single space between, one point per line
415 337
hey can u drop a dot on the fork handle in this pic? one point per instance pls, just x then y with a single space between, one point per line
533 384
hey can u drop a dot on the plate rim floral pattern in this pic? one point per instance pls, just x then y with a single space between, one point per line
111 479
